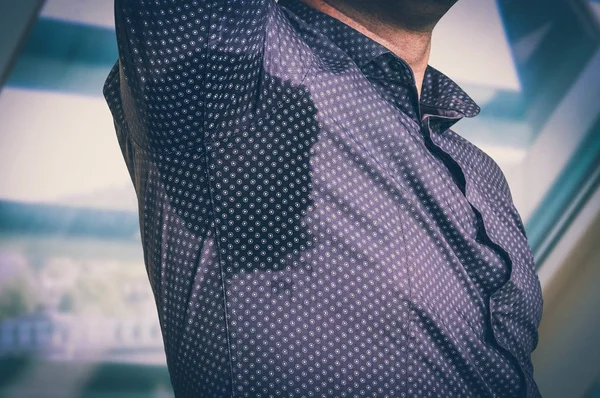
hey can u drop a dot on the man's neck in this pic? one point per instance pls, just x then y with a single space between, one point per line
410 44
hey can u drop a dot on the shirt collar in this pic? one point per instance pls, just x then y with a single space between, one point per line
440 95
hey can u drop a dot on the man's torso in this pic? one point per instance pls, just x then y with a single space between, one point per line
309 228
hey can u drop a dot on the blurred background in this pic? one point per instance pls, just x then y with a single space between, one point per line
77 316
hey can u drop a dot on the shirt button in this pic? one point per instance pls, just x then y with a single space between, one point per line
397 66
404 71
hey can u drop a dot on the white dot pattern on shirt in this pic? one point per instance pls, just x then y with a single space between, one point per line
304 233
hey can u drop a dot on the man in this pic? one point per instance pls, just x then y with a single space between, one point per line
311 226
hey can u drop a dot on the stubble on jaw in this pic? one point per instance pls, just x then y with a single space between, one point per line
412 15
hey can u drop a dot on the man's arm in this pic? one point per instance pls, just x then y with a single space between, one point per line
189 67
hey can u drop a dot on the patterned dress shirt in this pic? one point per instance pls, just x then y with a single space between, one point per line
310 227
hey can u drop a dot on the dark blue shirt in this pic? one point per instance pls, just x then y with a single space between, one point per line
310 227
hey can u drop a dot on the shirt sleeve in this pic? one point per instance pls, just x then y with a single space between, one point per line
188 67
